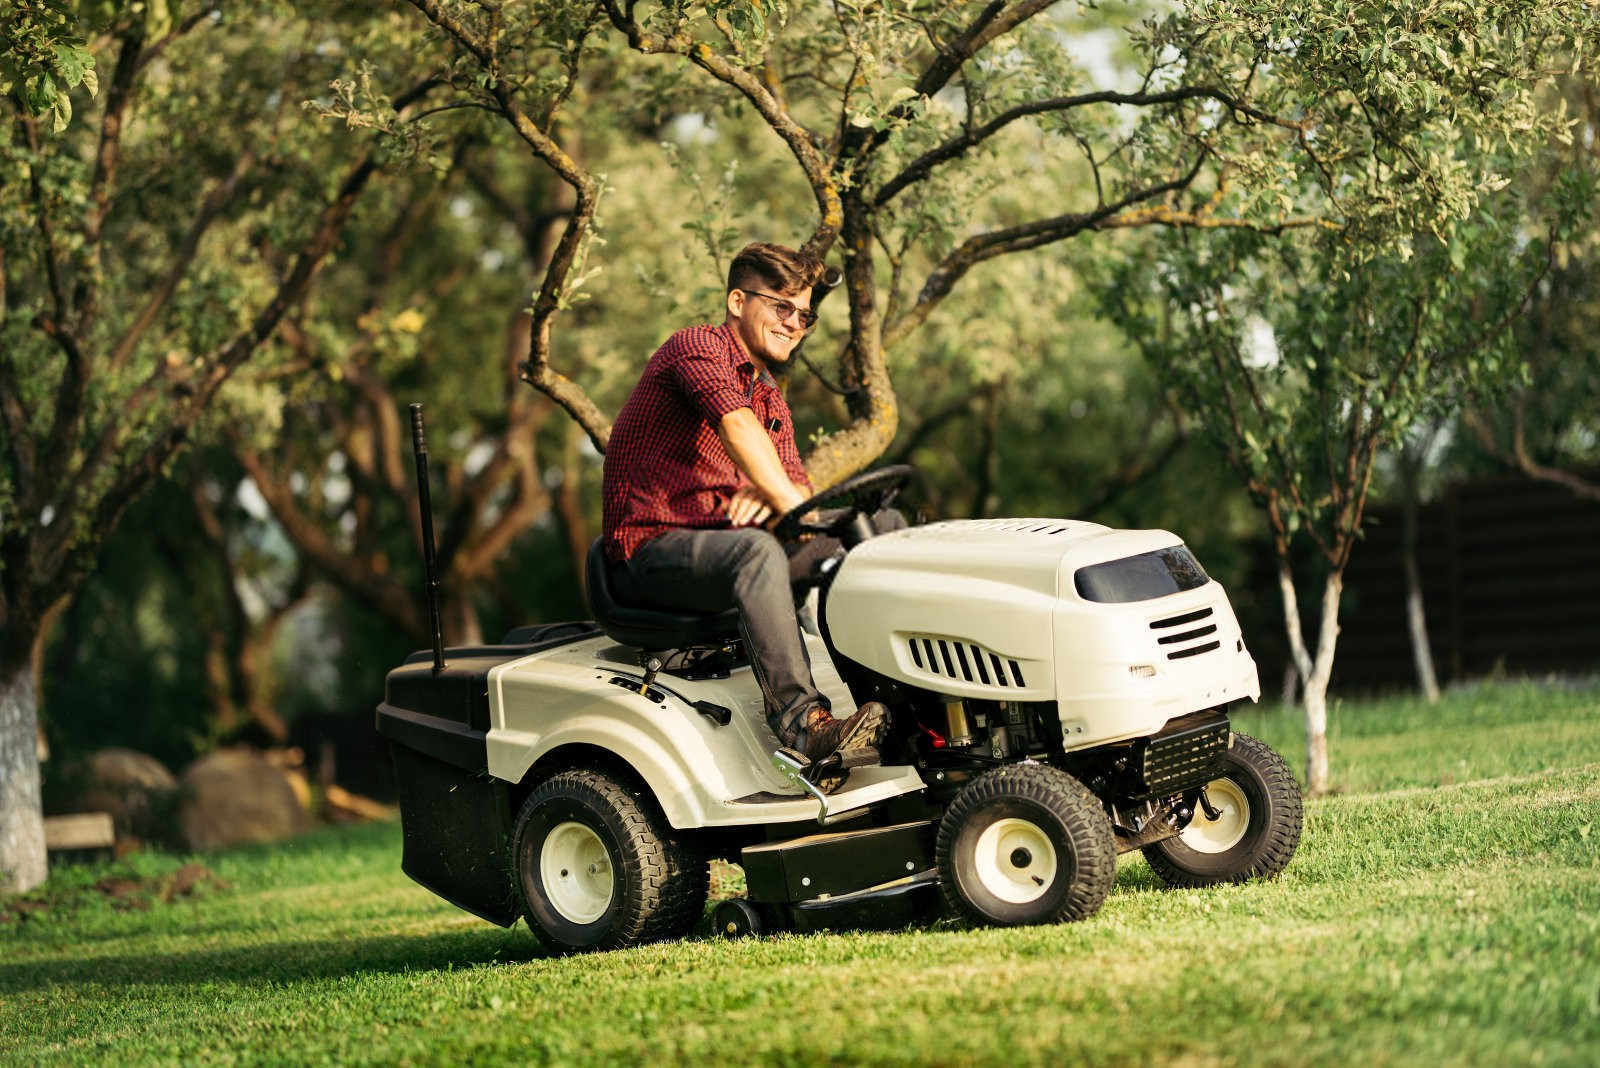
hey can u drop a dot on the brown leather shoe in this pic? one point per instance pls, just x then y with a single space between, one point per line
823 734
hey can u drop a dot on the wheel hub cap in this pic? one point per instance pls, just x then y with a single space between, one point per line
576 871
1207 835
1015 861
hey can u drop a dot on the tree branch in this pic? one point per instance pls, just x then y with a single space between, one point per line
106 158
926 428
537 371
478 554
923 165
352 574
52 263
66 558
182 29
993 21
802 142
19 442
1135 472
215 200
1580 487
1016 239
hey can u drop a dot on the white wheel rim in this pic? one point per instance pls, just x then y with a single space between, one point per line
1207 835
1015 861
576 871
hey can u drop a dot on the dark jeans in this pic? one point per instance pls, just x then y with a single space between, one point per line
747 568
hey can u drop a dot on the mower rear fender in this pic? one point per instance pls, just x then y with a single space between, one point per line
565 698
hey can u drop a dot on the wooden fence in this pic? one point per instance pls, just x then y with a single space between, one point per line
1511 580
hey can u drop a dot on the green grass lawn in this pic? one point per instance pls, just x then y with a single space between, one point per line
1444 908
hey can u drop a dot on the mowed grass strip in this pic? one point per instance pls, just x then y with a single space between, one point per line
1454 920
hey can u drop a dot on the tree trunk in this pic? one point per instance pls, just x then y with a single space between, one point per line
22 855
570 516
459 619
1416 616
1314 672
1314 697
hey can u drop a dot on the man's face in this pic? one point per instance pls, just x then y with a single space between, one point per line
768 335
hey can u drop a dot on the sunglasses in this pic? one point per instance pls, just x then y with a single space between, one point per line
785 308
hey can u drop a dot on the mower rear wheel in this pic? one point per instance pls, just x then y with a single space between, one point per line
1256 831
596 867
1025 844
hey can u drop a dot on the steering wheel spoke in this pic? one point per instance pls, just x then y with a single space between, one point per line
863 494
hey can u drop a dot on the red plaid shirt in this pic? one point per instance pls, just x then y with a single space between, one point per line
665 466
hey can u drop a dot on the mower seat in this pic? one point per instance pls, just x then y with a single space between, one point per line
651 629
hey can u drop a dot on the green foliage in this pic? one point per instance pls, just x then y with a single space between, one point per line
1302 355
127 667
43 57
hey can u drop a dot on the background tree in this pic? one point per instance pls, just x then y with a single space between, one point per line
894 118
1547 426
1303 358
146 258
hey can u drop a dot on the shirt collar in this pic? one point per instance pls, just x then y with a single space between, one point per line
744 359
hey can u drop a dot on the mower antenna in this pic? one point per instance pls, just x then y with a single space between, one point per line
419 445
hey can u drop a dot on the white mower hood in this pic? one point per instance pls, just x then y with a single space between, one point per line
991 609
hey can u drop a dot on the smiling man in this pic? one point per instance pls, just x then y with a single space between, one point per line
701 455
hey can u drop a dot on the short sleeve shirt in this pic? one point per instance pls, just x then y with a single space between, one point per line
665 466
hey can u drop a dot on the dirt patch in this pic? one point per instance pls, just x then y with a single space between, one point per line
124 890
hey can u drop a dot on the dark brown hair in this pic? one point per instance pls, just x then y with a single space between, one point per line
781 269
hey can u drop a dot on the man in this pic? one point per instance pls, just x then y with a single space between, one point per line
702 453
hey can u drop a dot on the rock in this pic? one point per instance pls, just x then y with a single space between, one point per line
234 796
138 791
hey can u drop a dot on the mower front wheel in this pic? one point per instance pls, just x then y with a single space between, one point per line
1257 826
596 867
1025 844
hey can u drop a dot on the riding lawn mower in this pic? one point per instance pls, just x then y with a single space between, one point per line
1059 693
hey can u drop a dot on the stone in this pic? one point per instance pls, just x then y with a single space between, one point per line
237 796
136 789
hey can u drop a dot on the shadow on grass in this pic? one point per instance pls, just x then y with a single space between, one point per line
283 962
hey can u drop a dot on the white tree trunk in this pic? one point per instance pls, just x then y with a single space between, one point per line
1416 616
1315 671
22 855
1314 698
1291 620
1417 624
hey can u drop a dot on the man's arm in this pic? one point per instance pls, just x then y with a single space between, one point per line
752 452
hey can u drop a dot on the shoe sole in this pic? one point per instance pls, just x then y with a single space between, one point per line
868 731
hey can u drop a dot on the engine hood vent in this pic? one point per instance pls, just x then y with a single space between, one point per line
955 658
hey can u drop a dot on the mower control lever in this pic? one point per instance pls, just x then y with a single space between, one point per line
652 666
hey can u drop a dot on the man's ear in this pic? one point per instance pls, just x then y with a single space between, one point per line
735 303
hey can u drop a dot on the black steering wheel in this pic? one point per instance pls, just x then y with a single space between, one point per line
849 504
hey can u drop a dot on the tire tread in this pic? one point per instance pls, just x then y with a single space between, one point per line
674 878
1282 835
1079 809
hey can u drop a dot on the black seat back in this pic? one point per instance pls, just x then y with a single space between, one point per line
650 628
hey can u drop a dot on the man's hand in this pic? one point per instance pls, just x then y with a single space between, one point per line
747 508
768 491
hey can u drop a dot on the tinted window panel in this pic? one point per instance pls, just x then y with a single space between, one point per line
1141 578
